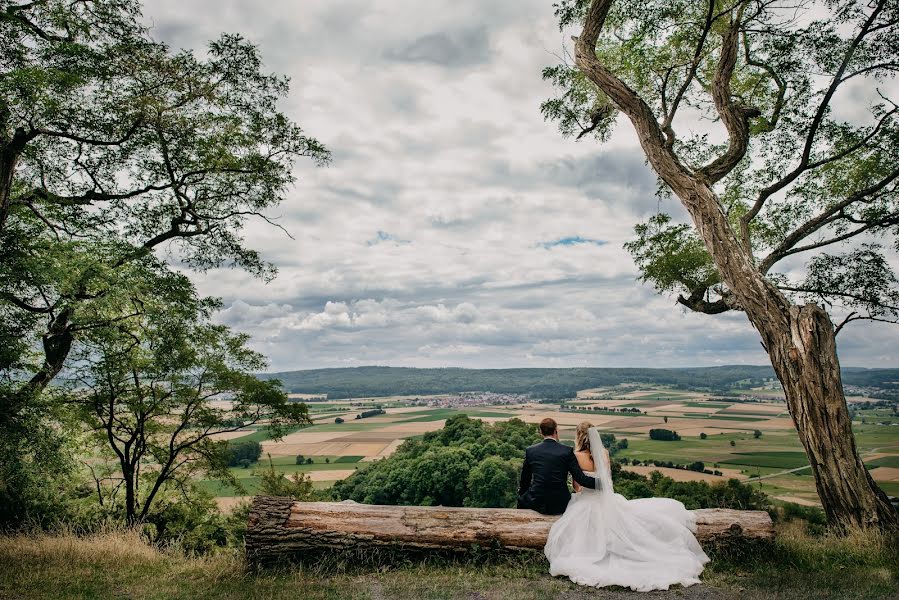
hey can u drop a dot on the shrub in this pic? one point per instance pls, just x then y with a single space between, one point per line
663 435
756 434
301 460
298 486
447 467
239 451
338 420
703 435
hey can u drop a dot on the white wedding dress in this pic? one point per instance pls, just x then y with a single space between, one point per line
605 539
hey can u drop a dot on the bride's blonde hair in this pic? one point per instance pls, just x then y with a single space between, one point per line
581 439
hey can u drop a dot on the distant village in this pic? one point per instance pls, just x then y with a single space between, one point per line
469 399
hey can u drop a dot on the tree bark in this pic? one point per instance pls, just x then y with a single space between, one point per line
805 359
280 529
799 339
57 343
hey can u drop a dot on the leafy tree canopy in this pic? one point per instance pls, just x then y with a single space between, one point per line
113 147
809 182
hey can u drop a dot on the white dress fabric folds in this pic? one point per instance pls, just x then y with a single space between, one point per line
604 539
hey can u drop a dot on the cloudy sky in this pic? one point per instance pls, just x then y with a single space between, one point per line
454 227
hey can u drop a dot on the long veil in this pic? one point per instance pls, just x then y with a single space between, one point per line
603 470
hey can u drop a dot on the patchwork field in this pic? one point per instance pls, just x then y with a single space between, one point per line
750 440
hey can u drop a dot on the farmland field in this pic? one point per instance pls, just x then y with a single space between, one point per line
750 437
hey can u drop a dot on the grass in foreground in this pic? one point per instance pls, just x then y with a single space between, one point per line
122 565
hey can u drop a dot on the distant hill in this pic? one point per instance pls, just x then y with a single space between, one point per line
541 383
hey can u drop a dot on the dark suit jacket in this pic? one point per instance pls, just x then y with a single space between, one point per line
544 477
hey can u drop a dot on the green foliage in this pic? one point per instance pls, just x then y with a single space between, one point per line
493 482
665 435
672 256
694 494
369 413
115 146
272 483
38 470
811 181
239 452
466 463
156 390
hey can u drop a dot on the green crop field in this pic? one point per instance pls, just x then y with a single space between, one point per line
782 460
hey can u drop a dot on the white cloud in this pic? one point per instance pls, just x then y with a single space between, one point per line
433 238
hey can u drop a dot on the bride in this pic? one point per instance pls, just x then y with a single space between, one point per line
605 539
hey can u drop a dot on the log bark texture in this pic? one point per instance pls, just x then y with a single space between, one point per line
280 529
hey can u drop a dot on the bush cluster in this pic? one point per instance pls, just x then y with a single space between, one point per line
665 435
467 463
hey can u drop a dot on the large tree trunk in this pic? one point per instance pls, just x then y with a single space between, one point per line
282 529
10 150
805 359
57 342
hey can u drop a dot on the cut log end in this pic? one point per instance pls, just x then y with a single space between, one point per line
279 529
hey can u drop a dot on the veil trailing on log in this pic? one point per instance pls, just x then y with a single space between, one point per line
605 539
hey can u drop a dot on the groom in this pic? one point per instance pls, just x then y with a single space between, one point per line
544 475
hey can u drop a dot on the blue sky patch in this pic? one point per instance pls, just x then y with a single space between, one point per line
383 236
571 241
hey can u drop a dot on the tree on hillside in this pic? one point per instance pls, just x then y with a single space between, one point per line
791 179
113 147
156 393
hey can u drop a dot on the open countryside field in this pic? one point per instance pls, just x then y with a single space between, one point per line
773 460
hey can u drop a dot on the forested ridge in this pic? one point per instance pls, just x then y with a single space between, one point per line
357 382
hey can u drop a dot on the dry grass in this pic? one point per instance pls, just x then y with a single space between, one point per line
121 564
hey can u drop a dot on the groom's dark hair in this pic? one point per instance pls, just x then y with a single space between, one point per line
547 427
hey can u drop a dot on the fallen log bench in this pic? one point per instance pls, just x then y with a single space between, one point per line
280 529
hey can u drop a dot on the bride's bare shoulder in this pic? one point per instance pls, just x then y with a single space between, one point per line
584 460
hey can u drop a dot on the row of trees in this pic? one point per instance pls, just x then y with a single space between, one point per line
122 163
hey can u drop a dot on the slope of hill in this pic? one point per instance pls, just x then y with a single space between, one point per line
358 382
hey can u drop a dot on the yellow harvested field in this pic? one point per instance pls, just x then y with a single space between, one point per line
798 500
415 428
335 475
407 409
337 448
760 409
311 437
563 418
608 403
362 449
885 474
232 434
680 474
387 451
227 504
383 419
675 408
770 424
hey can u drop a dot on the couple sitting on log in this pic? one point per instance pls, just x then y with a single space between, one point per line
602 538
